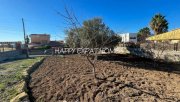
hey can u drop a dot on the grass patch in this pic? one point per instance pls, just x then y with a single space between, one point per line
2 86
12 93
11 74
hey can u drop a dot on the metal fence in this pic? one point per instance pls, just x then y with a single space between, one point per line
6 48
9 46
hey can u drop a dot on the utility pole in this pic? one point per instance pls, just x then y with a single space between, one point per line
3 47
25 45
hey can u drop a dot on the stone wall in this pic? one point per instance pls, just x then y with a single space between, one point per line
121 50
167 55
167 46
10 55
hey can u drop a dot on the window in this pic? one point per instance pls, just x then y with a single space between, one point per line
132 37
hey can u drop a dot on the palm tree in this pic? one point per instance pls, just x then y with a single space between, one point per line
159 24
143 34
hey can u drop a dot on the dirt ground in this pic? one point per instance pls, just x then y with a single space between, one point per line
70 79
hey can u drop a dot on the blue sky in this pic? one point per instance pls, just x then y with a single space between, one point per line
119 15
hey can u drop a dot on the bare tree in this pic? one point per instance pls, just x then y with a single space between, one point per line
72 20
155 50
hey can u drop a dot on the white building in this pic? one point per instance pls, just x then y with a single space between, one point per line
129 37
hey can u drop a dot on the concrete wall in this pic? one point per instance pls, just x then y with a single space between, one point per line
10 55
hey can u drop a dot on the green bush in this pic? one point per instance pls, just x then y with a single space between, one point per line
43 47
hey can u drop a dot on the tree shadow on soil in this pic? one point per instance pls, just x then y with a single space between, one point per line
129 61
131 85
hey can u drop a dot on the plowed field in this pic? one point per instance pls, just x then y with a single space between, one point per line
70 79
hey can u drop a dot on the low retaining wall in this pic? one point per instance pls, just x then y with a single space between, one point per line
10 55
169 47
168 56
121 50
24 95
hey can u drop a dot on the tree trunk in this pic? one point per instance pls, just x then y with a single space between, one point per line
93 64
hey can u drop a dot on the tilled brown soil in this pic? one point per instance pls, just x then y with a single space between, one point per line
70 79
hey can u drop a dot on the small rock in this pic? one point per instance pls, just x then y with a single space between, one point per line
112 79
